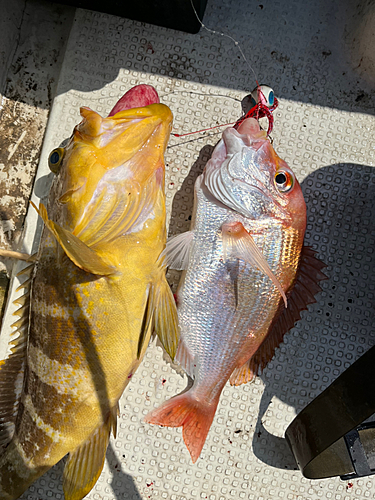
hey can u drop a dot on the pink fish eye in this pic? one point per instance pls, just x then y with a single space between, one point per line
283 181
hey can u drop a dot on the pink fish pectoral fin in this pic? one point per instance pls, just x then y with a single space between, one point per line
177 251
238 243
78 252
85 464
195 418
305 287
165 315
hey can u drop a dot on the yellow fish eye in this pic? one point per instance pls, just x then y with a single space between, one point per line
55 159
283 181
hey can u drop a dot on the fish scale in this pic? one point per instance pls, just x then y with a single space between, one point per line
98 293
241 260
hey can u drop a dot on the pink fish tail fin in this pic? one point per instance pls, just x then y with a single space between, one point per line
194 416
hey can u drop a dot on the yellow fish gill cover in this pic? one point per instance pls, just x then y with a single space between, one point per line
98 292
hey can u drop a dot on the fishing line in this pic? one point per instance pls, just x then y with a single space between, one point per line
236 43
197 138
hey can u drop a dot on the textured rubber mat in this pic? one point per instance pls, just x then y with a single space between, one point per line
324 129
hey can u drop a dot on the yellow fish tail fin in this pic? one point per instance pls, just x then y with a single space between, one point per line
85 464
165 316
78 252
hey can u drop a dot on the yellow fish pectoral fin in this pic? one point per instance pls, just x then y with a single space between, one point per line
165 316
78 252
239 244
85 464
146 323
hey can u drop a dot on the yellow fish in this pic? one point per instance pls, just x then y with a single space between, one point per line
98 292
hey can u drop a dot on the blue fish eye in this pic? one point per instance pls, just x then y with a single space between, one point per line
271 98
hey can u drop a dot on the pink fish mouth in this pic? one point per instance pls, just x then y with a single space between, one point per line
137 97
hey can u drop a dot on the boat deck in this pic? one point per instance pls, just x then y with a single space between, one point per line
316 57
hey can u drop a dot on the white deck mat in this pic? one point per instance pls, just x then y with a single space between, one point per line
324 129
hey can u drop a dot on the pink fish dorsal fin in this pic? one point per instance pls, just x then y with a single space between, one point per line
177 251
305 287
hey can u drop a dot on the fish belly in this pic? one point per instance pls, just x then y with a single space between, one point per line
223 306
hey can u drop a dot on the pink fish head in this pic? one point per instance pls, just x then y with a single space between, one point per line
246 175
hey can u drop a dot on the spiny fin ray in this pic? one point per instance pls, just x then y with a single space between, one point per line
12 368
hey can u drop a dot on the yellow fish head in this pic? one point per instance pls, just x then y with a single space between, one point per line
107 157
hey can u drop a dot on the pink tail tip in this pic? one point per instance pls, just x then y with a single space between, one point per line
137 97
193 416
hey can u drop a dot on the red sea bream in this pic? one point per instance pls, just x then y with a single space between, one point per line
246 275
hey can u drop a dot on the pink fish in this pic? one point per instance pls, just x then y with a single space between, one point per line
246 275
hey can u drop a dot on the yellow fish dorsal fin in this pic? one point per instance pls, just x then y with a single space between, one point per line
12 368
78 252
85 464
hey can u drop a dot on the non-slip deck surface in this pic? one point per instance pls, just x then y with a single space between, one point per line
324 129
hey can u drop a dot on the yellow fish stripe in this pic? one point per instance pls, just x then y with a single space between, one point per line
62 377
55 435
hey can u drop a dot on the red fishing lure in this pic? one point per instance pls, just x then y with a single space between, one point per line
263 103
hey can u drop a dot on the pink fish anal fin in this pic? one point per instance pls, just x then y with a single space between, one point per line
238 243
303 291
193 415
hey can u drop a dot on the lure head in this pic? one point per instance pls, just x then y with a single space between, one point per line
246 175
125 149
263 94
